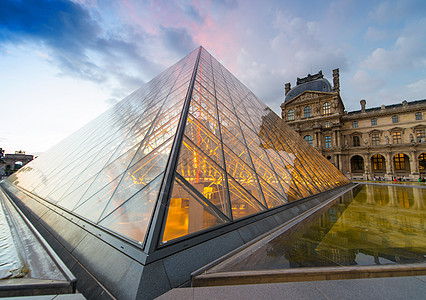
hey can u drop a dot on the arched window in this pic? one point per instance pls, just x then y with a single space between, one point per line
308 138
400 161
378 162
307 112
357 164
290 115
420 135
422 163
326 108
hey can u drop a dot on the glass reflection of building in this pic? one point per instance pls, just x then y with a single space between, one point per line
370 225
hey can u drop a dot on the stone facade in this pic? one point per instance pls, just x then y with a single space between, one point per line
387 141
9 163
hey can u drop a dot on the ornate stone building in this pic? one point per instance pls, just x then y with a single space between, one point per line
387 141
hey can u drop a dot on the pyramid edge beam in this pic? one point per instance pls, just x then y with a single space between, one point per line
158 217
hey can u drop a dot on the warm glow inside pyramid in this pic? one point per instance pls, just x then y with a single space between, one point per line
190 150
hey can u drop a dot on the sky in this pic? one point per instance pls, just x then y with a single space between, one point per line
62 63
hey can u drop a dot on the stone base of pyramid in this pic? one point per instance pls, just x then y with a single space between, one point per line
108 266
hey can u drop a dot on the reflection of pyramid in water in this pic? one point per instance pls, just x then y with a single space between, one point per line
191 149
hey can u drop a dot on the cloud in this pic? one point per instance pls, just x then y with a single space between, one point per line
74 40
407 52
365 83
178 40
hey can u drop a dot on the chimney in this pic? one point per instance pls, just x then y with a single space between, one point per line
336 83
287 88
362 102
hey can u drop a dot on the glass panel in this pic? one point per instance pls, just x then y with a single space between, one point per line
92 208
242 202
242 173
187 214
141 174
132 218
203 174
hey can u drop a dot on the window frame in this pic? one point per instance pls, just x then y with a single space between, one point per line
399 161
396 137
356 141
378 162
375 139
326 108
419 116
420 135
290 115
395 119
327 140
373 122
308 112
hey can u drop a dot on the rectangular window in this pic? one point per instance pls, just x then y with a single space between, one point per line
419 116
394 119
355 140
420 135
375 139
373 122
327 124
396 137
326 108
290 115
355 124
307 112
328 141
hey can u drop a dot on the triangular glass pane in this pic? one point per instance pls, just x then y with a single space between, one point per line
93 207
243 204
187 213
132 218
140 175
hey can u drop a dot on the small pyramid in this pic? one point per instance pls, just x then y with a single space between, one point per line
190 150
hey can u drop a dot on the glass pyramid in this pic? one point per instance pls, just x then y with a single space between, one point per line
190 150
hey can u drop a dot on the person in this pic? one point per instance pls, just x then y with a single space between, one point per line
404 179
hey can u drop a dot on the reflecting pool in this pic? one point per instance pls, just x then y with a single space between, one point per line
370 225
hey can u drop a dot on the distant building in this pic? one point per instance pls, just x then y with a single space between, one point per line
387 141
9 163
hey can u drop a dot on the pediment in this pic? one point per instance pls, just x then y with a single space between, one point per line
309 95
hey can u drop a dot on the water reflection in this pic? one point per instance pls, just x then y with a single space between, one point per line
370 225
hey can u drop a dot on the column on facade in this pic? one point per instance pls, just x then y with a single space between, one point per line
367 168
339 139
389 168
318 139
414 166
